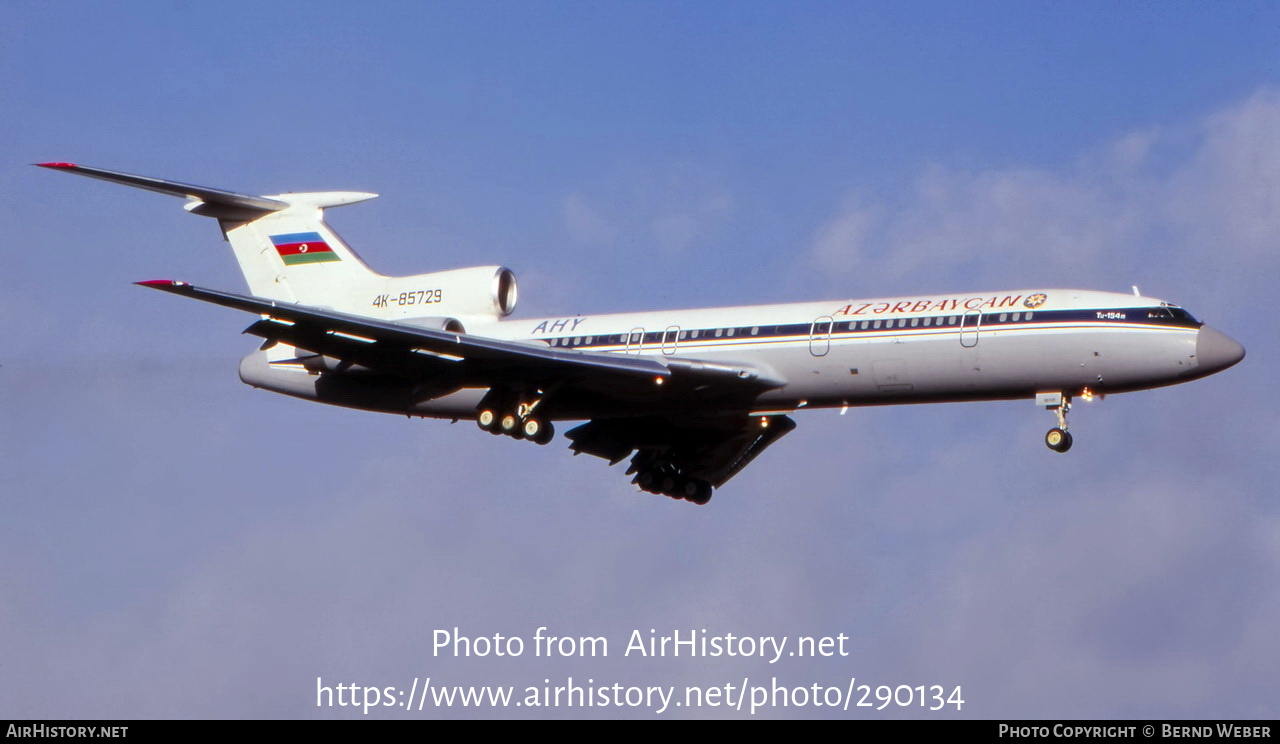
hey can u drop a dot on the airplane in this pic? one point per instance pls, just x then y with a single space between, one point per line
690 396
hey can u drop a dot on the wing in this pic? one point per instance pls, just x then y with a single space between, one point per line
585 383
686 420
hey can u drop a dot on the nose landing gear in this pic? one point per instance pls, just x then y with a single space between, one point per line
1058 438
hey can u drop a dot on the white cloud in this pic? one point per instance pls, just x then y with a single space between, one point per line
841 244
680 227
670 207
1143 209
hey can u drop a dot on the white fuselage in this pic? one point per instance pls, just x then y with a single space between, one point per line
980 346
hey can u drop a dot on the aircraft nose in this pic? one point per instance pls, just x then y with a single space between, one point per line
1216 350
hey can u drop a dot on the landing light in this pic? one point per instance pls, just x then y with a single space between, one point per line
658 381
1087 394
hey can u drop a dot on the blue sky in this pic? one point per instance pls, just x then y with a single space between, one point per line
179 545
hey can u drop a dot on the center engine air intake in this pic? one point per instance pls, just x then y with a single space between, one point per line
478 293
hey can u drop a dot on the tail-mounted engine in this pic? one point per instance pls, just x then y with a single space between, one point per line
481 294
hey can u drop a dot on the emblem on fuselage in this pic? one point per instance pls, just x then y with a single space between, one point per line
1034 301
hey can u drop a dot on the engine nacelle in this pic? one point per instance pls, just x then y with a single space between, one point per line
481 293
453 325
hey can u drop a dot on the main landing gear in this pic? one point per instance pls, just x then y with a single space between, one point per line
519 423
663 477
1058 438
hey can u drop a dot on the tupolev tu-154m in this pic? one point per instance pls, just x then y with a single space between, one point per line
690 396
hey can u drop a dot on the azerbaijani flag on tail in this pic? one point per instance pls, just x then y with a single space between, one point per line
301 248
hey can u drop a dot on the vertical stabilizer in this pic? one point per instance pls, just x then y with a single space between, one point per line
292 255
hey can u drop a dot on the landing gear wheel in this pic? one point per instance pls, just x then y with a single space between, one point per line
546 435
702 492
487 420
1058 440
510 424
537 430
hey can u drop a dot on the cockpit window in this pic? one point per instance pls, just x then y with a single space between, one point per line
1173 313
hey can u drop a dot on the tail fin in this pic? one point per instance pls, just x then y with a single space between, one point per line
283 246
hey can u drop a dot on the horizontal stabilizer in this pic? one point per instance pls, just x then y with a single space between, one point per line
217 197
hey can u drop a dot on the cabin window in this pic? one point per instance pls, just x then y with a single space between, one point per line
719 332
876 324
928 321
1017 317
865 323
1004 317
755 331
1030 315
729 332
